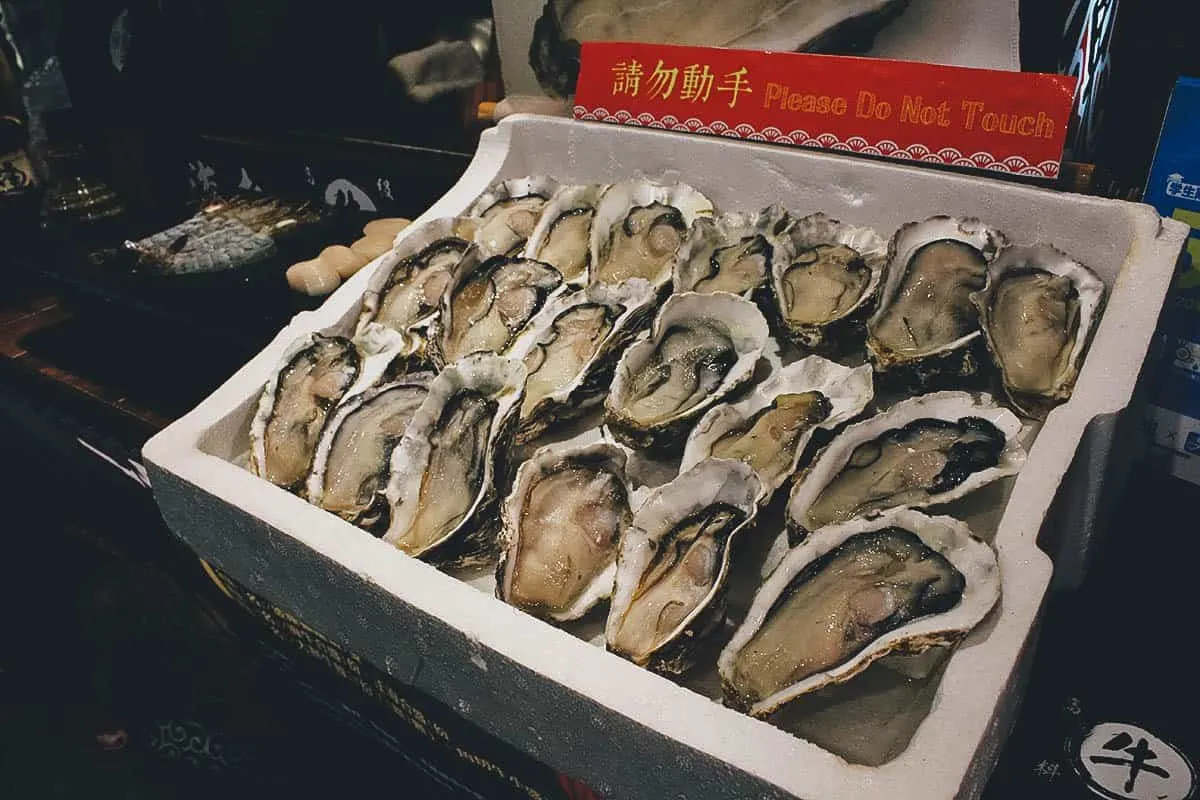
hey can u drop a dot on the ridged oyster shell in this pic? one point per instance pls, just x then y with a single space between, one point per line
508 212
771 428
986 446
448 467
700 349
1039 311
827 289
933 594
673 564
563 236
734 253
571 347
561 526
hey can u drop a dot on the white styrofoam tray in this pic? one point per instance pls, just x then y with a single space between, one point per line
583 711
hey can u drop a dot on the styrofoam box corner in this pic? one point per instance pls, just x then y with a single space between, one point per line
583 711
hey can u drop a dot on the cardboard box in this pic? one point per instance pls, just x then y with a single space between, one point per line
585 712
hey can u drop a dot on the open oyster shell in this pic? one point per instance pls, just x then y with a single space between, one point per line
673 564
924 451
1039 311
561 526
639 229
571 347
700 349
449 464
902 582
829 286
926 330
771 428
563 236
508 211
734 253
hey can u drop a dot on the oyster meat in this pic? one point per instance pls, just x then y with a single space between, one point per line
563 236
317 373
1039 310
508 212
673 564
923 451
442 488
733 253
701 348
852 594
562 523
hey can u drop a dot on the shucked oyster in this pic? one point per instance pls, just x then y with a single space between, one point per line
701 347
1039 311
317 373
770 428
923 451
561 525
571 348
827 289
563 236
508 212
847 25
732 253
673 564
488 303
926 327
443 483
852 594
639 229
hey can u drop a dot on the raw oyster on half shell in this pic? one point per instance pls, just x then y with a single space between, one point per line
447 467
852 594
508 212
1039 311
701 348
563 236
733 253
673 564
923 451
561 526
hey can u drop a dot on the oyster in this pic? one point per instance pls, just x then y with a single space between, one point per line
701 348
563 236
562 523
488 303
852 594
639 229
571 347
674 562
1039 310
926 327
847 25
447 466
732 253
827 289
316 374
508 212
771 428
405 290
923 451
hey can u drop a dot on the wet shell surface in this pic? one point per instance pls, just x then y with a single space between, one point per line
902 582
508 211
733 253
563 236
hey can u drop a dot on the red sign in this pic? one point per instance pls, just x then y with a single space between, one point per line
1005 121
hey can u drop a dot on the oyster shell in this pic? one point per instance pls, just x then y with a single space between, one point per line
700 349
563 236
316 373
571 348
926 329
923 451
852 594
508 212
448 465
561 525
732 253
771 428
639 229
1039 311
827 289
673 564
488 303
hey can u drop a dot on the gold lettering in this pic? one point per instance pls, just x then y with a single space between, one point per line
972 108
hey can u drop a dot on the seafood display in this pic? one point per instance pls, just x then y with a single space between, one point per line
740 443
